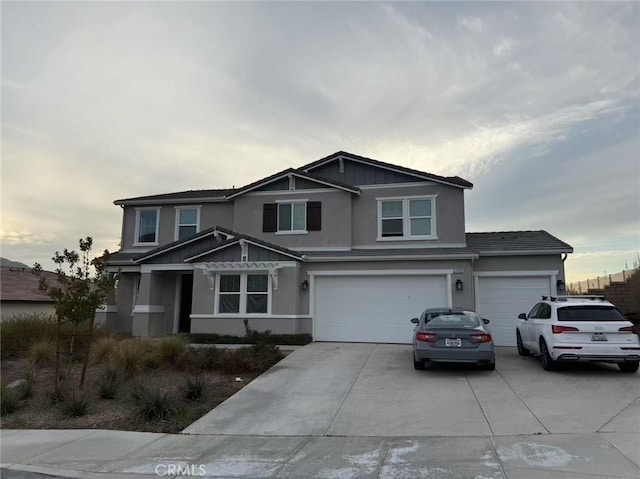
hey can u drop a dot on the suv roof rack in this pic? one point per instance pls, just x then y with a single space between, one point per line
565 297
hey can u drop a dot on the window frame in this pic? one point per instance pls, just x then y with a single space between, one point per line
176 235
242 310
406 218
136 238
292 203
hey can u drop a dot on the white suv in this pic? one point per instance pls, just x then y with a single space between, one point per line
572 328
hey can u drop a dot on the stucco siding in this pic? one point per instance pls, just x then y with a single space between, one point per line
449 211
356 173
336 219
520 263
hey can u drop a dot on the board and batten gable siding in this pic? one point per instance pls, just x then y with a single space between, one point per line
358 174
211 214
261 254
229 254
335 228
450 220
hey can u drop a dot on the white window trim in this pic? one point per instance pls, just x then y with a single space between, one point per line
291 202
176 234
406 218
137 229
243 295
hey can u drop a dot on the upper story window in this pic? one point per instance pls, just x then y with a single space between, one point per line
147 223
292 217
187 221
406 218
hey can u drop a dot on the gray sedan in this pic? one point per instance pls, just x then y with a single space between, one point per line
452 335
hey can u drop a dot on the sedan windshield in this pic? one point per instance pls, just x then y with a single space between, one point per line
452 320
589 313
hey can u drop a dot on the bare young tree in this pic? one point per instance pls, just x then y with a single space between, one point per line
82 287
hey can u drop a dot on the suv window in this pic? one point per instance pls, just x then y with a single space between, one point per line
534 311
589 313
545 311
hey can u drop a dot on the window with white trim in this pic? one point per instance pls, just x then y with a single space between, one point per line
406 218
147 220
292 217
243 294
187 222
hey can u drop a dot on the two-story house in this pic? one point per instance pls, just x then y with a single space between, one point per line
346 248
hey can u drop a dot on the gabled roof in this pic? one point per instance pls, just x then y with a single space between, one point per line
21 284
180 196
297 173
179 243
512 242
449 180
251 240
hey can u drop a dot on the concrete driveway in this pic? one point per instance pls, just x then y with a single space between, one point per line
351 389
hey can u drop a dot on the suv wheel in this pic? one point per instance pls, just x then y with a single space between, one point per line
489 366
548 363
522 351
629 366
419 365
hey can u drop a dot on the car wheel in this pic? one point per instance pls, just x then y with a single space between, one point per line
548 363
522 351
419 365
629 366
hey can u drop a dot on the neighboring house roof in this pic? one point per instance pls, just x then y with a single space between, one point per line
20 284
450 180
297 173
201 195
512 242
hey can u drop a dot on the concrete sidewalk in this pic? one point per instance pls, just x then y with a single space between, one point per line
113 454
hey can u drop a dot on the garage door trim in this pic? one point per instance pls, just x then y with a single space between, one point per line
373 272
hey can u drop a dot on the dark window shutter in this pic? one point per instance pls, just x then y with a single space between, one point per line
314 216
269 218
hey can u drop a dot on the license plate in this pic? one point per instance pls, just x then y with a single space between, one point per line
598 337
453 342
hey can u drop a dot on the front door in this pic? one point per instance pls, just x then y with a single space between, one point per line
186 295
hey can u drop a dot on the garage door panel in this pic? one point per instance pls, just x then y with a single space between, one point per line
373 308
501 299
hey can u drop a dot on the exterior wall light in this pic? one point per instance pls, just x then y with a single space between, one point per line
459 285
304 285
560 286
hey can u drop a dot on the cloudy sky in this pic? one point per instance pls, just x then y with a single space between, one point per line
537 104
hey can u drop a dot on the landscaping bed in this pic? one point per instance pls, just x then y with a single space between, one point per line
156 385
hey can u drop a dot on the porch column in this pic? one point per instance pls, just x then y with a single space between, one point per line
148 316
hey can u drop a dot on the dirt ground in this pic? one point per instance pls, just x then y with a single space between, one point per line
40 412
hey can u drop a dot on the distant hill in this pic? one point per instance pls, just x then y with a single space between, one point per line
7 263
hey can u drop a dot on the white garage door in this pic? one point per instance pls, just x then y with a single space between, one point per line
376 309
502 299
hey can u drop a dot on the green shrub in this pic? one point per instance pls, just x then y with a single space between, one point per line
20 332
256 358
76 405
254 337
129 357
169 349
103 349
109 383
42 353
9 401
153 404
194 388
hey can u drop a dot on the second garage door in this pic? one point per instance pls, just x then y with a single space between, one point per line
501 299
373 308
